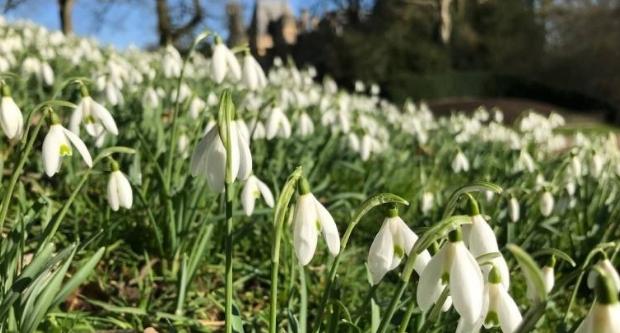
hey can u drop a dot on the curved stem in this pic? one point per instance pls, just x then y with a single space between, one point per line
8 195
366 206
280 215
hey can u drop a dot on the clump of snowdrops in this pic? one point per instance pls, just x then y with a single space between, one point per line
198 193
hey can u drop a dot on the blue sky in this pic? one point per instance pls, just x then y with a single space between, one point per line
122 24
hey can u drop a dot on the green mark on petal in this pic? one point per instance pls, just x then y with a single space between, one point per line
399 251
492 319
65 150
445 278
318 225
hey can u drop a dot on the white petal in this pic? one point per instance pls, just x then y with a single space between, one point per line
250 78
125 194
104 116
51 149
11 119
381 253
548 278
305 231
215 162
481 237
245 156
430 287
328 227
218 63
79 145
113 199
266 193
466 283
199 156
233 65
248 199
76 117
508 312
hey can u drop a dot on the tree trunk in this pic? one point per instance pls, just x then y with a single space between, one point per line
66 9
164 27
167 32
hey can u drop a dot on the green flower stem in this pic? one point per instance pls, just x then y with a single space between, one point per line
370 203
421 244
225 118
177 107
385 320
303 301
8 195
229 192
407 316
280 216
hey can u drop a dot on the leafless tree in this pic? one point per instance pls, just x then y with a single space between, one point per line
65 10
169 32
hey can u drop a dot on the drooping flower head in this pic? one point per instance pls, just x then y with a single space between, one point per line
224 62
498 309
604 316
392 243
453 266
254 188
119 189
210 156
57 144
310 219
11 119
96 117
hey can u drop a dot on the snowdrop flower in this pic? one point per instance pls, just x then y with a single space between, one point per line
183 145
171 62
427 202
253 189
11 119
455 266
309 219
392 243
359 86
224 62
597 163
513 210
119 190
305 127
481 240
374 89
196 107
57 143
604 315
499 309
259 131
253 75
525 162
96 118
546 203
366 147
460 163
353 141
278 124
575 166
150 98
549 276
606 266
209 157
